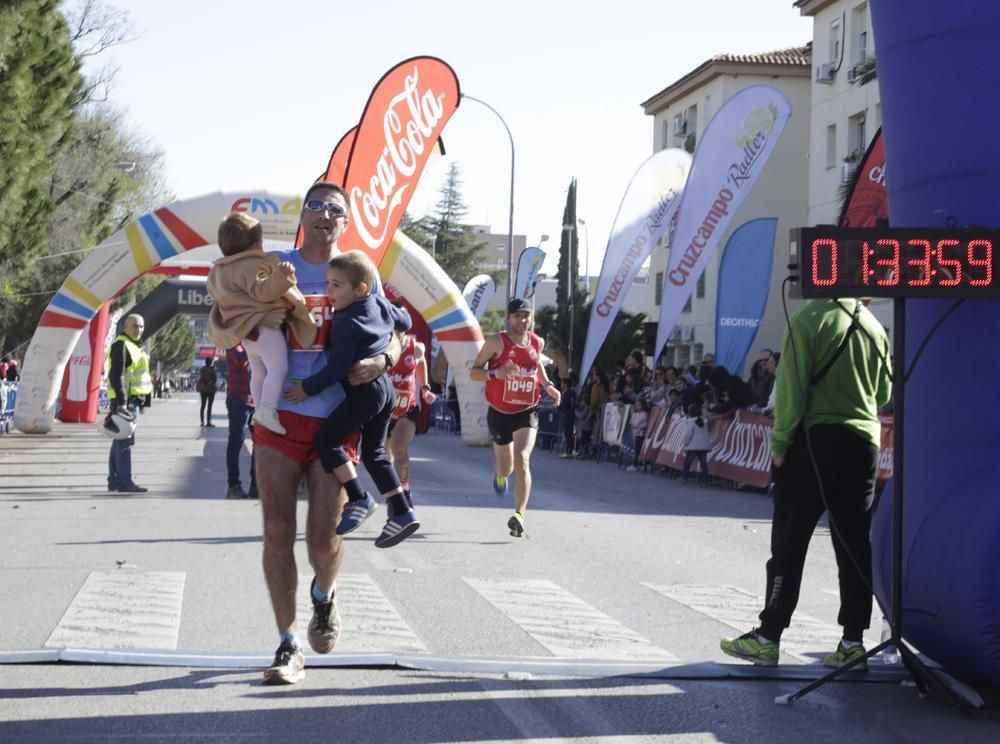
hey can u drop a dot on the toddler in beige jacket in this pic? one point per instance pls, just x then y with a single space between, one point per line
253 294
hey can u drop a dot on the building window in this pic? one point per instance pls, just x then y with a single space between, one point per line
699 352
856 137
699 288
687 305
658 289
859 29
836 40
831 146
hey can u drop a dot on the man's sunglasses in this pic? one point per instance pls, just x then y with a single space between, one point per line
318 205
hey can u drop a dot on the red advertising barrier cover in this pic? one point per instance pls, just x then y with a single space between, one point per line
741 450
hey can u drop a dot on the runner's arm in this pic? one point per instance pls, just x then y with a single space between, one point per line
491 349
421 371
366 370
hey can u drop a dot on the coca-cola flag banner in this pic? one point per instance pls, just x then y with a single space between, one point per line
733 150
528 266
644 215
478 293
744 283
399 129
868 202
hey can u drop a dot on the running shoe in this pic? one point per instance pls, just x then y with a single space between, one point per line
324 627
516 525
749 647
288 667
356 512
397 528
500 485
843 656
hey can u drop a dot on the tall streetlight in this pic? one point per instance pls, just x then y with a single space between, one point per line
510 223
570 290
586 249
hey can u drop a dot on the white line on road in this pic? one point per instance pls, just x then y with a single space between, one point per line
563 623
370 622
123 609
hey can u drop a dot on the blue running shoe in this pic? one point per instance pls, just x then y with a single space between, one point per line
356 512
499 486
397 528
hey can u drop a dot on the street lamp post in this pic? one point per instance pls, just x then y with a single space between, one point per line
510 223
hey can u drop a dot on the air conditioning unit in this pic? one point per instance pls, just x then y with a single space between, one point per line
680 125
847 171
826 73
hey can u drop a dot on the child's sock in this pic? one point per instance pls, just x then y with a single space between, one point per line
354 490
397 502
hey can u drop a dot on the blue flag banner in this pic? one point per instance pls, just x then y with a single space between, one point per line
744 283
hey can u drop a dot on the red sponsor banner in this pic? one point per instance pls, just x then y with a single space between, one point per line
868 202
213 352
401 124
741 449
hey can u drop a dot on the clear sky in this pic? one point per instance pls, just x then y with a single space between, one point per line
253 94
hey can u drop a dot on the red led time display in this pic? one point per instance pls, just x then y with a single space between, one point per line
896 262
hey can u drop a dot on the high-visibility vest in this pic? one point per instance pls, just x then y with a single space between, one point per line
136 379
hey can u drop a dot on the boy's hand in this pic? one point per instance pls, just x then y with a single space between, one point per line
296 392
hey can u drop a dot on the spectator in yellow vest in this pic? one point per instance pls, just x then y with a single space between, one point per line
130 388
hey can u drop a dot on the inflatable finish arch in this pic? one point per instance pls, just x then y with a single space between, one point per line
936 73
167 235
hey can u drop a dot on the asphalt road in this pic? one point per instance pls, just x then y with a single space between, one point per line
145 617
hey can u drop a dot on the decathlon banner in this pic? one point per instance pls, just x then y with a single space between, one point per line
733 151
398 131
744 283
478 293
646 211
868 201
528 266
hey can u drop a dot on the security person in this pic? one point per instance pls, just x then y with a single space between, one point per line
130 388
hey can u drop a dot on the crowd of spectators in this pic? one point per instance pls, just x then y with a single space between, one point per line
712 389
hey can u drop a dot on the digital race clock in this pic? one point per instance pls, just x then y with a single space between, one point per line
896 262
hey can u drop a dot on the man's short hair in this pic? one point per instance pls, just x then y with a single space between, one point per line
357 266
325 185
237 232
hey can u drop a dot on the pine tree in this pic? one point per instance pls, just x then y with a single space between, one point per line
453 244
40 88
568 246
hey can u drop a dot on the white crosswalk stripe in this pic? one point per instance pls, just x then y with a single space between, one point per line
369 621
805 639
117 609
563 623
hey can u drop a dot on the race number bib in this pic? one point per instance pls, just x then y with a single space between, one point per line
519 391
319 308
402 405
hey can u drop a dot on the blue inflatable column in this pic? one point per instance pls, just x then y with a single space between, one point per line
937 74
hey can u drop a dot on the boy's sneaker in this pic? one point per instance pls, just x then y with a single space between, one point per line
324 627
397 528
268 418
516 525
288 667
843 656
749 647
356 512
499 485
565 455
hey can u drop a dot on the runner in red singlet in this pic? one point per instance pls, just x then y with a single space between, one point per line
510 364
408 373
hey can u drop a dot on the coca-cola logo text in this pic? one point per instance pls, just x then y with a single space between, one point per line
408 126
